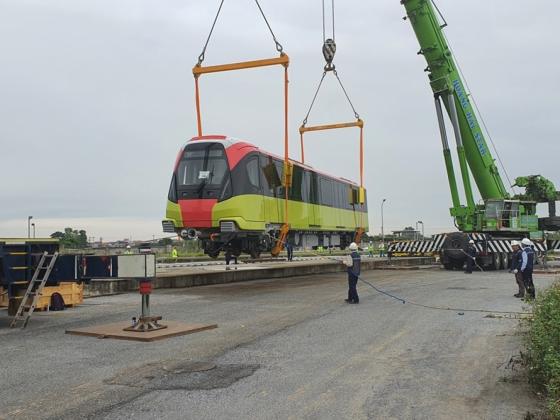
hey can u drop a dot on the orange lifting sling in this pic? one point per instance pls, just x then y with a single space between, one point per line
282 60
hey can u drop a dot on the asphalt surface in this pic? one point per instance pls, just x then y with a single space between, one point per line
284 348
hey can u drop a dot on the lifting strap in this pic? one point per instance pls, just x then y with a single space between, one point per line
282 60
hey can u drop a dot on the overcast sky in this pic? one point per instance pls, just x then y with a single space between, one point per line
96 97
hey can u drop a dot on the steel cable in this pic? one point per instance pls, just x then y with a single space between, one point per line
314 98
201 56
346 94
420 305
279 47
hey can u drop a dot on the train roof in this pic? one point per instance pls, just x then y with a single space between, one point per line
231 141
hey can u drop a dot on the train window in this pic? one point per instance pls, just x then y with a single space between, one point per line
342 201
216 171
334 186
280 171
327 194
296 191
336 189
226 190
306 187
343 194
253 173
354 196
270 175
202 165
172 196
314 188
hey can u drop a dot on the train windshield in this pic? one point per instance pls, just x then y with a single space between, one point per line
202 165
203 172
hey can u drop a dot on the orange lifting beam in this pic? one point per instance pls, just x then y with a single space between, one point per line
358 123
283 60
304 129
198 70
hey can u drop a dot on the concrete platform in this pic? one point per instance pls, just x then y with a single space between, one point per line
217 274
116 330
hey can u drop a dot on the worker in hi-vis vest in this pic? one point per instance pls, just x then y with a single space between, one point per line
353 263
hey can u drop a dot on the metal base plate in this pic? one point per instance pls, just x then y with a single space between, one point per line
146 324
117 331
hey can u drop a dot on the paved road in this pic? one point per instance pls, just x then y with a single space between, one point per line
286 348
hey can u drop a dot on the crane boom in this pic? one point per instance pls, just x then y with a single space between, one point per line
445 79
500 212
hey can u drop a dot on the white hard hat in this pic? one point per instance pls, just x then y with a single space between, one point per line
353 246
471 242
514 243
128 246
526 241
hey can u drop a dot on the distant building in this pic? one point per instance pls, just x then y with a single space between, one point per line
407 234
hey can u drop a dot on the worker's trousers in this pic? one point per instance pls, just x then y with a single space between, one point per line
470 265
528 281
520 283
352 290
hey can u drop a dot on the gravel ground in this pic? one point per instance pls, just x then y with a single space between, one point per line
285 348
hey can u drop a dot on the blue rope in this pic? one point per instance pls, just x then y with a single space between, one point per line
382 291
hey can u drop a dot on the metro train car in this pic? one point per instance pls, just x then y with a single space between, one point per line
229 194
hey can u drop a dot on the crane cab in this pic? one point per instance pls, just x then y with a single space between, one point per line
509 215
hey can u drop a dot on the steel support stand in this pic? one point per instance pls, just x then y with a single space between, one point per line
146 322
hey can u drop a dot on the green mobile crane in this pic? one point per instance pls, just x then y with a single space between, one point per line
500 214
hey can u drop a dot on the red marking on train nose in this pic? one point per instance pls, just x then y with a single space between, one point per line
197 213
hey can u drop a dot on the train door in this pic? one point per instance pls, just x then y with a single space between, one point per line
315 198
271 182
254 187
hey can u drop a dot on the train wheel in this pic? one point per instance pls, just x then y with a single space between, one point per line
255 254
495 265
214 254
504 261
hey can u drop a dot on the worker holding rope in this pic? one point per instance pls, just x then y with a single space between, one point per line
516 261
471 257
353 263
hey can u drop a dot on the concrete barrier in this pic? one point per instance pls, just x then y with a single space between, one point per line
191 277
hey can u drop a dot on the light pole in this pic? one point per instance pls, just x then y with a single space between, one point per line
29 226
422 223
33 226
382 227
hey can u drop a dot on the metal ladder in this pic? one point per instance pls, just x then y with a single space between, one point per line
34 289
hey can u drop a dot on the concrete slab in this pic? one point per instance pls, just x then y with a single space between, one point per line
116 330
232 268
